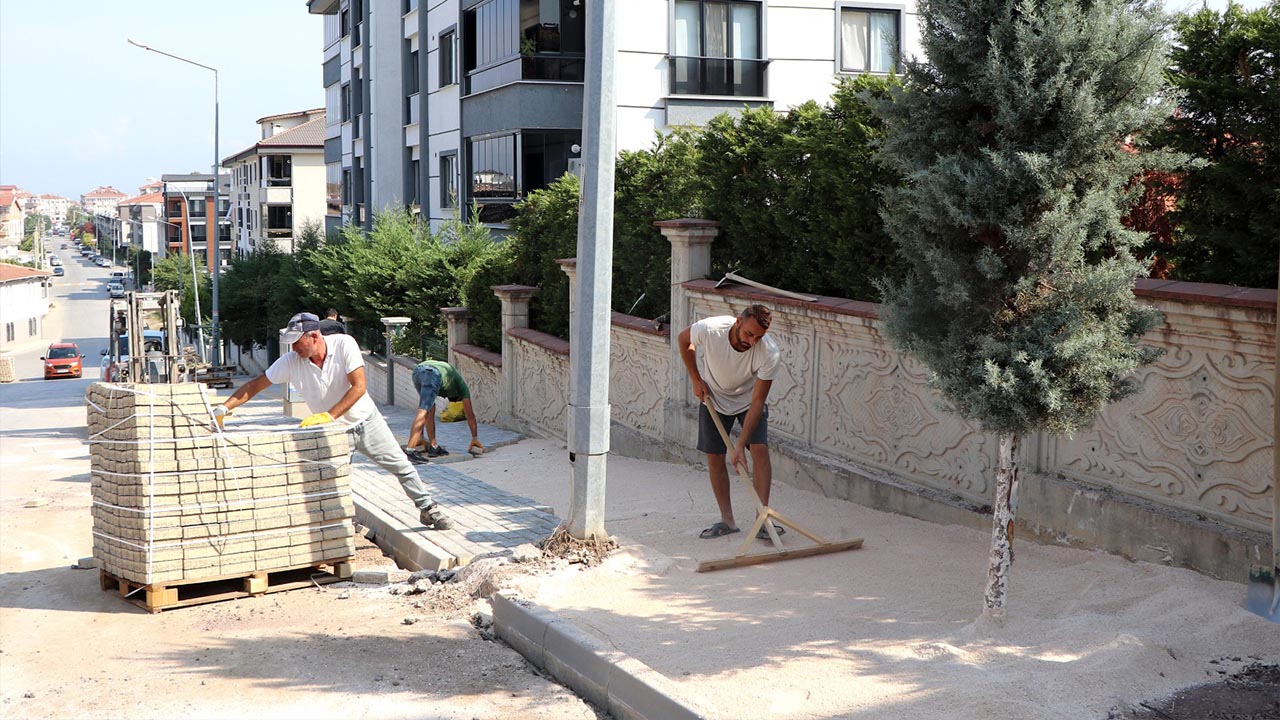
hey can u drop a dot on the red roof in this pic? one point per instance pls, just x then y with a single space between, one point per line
148 199
107 191
7 195
9 273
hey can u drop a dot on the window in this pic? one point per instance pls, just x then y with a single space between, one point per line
197 207
868 40
449 179
716 48
279 221
198 234
333 104
411 74
493 167
344 23
414 194
9 333
346 103
410 6
333 189
447 40
346 187
280 170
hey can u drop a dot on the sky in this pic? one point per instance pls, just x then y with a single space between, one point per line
81 107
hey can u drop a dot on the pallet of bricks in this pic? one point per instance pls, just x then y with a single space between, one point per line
185 513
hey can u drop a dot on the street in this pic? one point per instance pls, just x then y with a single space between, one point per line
68 649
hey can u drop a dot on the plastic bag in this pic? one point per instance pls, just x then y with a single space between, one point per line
453 413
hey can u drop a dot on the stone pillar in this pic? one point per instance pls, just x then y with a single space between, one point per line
690 260
515 314
459 328
570 267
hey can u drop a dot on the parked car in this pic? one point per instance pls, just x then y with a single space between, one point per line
115 290
62 360
58 271
117 276
102 262
64 246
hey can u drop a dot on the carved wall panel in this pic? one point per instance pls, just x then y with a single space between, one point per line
485 383
875 406
542 387
638 380
791 396
1198 436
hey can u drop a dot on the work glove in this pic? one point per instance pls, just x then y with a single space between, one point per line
220 413
317 419
475 448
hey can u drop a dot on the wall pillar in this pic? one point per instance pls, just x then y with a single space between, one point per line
458 322
690 260
515 314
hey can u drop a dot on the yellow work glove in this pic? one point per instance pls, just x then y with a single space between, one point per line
220 413
475 448
317 419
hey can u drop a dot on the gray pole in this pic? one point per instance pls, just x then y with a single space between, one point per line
216 231
589 335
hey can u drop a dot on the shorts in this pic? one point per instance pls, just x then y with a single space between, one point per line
709 440
426 380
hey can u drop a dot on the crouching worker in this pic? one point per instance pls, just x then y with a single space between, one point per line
329 373
433 379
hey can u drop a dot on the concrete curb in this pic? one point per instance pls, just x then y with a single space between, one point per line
626 687
389 535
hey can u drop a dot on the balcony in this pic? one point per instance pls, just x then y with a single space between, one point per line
729 77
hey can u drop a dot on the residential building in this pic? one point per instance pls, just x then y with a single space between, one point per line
462 101
278 184
24 302
53 207
101 200
141 222
12 217
188 205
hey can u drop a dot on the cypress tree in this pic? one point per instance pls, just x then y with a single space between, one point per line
1011 140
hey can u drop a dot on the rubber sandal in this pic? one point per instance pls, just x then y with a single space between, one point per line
717 530
763 533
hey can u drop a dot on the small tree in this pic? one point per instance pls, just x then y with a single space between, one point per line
1019 297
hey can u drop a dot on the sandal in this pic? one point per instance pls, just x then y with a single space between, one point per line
717 530
763 533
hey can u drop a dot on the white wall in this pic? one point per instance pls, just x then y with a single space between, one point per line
20 301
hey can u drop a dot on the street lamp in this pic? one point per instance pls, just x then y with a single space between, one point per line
395 326
215 235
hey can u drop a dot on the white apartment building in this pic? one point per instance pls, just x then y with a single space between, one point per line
53 207
278 184
101 200
141 222
458 101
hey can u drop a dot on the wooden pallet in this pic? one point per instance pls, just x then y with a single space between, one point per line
181 593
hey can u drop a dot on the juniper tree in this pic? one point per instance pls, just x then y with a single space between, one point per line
1010 138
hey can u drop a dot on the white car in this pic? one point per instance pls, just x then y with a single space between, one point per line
115 290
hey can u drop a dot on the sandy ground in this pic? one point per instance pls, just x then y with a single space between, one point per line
891 630
70 650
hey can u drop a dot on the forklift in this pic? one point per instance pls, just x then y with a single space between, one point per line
143 340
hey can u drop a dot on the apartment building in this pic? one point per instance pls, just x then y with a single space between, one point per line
278 184
102 200
53 207
187 209
12 216
462 101
141 221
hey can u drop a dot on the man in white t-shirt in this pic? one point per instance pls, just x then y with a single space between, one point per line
328 371
732 365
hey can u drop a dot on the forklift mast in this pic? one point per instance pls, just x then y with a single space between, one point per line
150 360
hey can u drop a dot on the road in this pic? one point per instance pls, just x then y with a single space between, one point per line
70 650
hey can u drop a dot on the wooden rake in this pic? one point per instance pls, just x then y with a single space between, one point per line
764 516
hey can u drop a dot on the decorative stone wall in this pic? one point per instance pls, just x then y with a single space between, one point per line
540 373
175 501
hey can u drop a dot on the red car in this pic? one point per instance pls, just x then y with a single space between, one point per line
63 360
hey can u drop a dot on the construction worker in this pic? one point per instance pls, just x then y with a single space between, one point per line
432 379
329 373
332 324
732 365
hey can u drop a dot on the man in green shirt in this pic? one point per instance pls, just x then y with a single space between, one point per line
436 378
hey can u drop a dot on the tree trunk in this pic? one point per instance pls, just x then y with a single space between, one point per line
1004 512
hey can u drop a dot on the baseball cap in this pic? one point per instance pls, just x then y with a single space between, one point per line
299 324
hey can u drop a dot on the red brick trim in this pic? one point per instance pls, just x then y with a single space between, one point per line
479 354
541 339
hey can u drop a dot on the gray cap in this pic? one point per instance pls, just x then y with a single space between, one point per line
298 325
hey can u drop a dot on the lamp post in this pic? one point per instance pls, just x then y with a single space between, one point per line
215 239
395 326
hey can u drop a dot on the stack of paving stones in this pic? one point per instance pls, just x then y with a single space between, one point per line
174 501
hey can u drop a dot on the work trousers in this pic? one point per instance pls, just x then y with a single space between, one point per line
375 441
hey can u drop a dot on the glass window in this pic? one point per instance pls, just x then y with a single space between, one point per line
716 48
333 104
868 40
411 74
333 188
447 74
346 103
196 207
448 180
493 167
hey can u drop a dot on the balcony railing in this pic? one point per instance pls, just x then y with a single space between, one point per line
568 67
280 181
733 77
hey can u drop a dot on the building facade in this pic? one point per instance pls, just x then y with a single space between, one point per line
187 209
278 184
480 101
102 200
12 216
24 302
141 223
53 207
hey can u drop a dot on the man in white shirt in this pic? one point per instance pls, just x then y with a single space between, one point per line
328 371
732 365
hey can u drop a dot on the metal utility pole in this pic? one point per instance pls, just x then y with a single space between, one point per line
589 335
